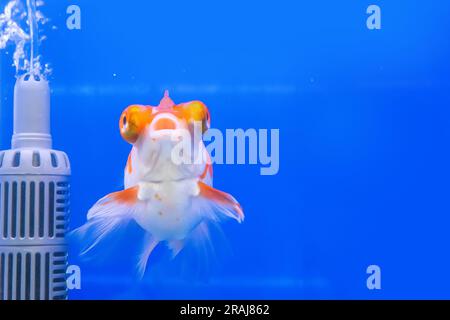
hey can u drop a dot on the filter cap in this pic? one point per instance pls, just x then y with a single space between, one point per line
31 113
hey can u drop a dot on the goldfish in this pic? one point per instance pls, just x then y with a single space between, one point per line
171 201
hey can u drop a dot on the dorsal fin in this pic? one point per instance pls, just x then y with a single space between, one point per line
166 102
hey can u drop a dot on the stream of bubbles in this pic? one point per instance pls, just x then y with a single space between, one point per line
19 24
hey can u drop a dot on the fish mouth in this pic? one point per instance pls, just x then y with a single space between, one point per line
164 121
165 125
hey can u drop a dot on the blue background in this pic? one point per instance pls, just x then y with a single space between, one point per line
364 131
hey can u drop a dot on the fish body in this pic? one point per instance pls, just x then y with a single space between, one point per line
167 178
168 213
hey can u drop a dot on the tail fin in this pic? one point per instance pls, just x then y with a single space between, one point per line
194 259
150 244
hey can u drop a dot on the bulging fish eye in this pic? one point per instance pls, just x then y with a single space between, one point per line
195 111
133 121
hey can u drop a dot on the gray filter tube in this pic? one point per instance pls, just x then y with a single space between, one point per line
34 200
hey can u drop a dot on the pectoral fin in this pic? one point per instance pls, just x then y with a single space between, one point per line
222 203
106 217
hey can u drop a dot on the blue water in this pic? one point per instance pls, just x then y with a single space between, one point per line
364 119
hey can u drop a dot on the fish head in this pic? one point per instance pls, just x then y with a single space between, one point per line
161 133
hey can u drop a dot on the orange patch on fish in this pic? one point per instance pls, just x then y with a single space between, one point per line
164 124
208 168
127 196
129 165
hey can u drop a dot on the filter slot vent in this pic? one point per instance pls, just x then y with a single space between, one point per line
37 273
51 209
14 210
18 275
36 161
16 160
5 203
32 207
9 272
54 160
41 208
23 199
28 276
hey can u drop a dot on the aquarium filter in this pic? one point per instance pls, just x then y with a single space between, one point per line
34 201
